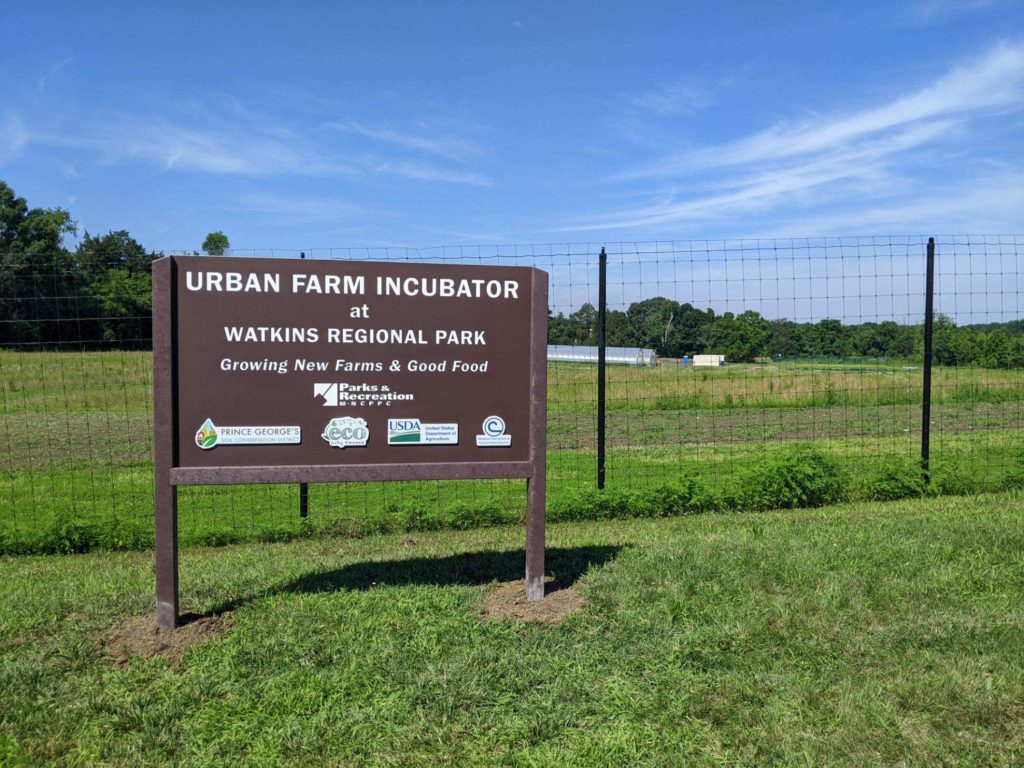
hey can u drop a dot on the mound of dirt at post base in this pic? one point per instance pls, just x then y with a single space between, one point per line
139 636
507 600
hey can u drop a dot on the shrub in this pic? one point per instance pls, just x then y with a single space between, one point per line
592 505
128 536
895 480
1014 477
464 516
66 537
953 482
218 538
798 477
686 497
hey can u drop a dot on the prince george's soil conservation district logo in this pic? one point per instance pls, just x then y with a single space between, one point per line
346 432
210 435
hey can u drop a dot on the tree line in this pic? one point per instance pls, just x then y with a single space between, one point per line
98 293
674 329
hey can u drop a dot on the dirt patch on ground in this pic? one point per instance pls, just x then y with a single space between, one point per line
140 636
508 600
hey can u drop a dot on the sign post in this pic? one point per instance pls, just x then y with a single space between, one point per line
279 371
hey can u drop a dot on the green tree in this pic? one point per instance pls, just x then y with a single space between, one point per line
786 339
34 280
116 249
832 339
688 334
216 244
739 337
115 270
560 329
652 321
28 231
997 350
618 331
952 345
583 323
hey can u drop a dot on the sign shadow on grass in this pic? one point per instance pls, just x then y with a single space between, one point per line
565 564
564 567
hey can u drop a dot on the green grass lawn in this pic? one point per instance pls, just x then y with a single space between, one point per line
858 635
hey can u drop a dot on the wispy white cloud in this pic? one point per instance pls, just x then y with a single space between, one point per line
14 137
760 189
235 142
425 172
995 81
674 98
835 161
934 10
443 146
299 209
69 171
992 203
54 69
215 150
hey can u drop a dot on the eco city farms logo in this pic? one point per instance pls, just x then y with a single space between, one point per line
346 432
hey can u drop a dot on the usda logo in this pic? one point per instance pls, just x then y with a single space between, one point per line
346 432
404 431
415 432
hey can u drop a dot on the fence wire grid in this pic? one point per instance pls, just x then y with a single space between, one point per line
823 341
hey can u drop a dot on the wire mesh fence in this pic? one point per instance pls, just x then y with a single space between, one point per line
769 354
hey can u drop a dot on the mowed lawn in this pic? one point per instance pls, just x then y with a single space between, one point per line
858 635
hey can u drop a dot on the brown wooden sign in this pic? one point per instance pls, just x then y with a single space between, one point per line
273 370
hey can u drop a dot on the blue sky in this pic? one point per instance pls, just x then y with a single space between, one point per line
309 125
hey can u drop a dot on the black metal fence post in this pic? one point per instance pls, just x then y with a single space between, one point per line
926 399
602 312
303 487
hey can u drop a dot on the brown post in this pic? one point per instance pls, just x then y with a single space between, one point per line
536 485
165 495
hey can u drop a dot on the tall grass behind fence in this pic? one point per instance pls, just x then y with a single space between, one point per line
978 285
795 373
824 340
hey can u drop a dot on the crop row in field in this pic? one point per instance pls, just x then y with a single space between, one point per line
120 382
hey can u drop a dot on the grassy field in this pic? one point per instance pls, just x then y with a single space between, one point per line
120 381
75 446
861 635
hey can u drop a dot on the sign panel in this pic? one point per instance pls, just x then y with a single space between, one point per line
292 363
280 371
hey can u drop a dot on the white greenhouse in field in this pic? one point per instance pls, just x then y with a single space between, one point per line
564 353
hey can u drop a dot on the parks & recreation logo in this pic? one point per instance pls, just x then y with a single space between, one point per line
346 432
493 434
210 435
415 432
341 394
